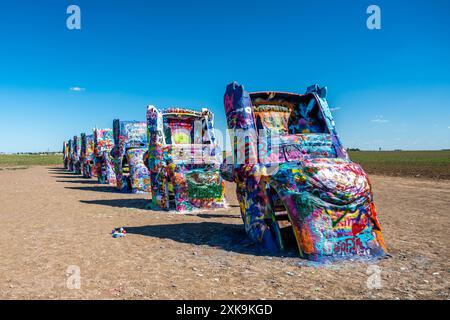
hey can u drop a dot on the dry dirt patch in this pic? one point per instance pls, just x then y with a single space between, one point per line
52 219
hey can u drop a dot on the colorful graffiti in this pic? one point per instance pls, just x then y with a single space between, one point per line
183 160
130 145
76 154
103 160
88 168
70 165
65 153
288 163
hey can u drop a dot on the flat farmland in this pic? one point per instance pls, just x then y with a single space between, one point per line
419 164
21 161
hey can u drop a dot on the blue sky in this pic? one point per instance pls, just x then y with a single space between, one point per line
389 88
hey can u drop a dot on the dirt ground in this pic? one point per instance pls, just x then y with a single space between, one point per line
52 219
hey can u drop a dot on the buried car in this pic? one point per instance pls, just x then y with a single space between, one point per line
289 164
88 169
70 155
183 160
76 154
65 152
130 145
103 145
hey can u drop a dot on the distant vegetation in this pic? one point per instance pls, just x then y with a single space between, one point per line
429 164
27 160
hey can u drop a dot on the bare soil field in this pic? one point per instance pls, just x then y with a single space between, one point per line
52 219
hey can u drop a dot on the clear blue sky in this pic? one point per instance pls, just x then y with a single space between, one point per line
388 88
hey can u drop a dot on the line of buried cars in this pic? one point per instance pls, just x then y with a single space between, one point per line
287 162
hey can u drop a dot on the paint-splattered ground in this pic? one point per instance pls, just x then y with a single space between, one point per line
51 219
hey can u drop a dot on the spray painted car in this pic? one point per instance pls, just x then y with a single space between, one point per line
65 152
70 166
288 158
104 164
130 145
88 169
183 160
76 155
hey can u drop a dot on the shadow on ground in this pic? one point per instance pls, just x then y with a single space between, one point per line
229 237
119 203
85 181
99 188
65 175
141 204
212 216
57 169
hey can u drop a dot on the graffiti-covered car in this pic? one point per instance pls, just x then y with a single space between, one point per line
65 152
88 169
288 163
76 154
70 166
104 164
183 160
130 145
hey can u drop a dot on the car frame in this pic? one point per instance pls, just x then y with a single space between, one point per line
130 146
104 162
289 164
183 165
65 152
70 166
76 154
87 157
